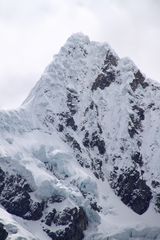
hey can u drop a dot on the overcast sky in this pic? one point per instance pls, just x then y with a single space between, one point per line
32 31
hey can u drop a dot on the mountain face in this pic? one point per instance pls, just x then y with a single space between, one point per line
80 159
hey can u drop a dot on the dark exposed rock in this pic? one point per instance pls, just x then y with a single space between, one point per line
139 143
60 128
133 190
15 197
68 120
50 217
95 207
151 105
49 119
17 204
139 111
97 142
137 158
138 80
84 51
115 168
97 167
108 75
2 177
135 123
36 211
93 107
110 60
76 145
52 235
73 142
3 232
99 128
64 217
71 123
155 184
132 130
115 157
72 100
75 220
91 142
157 203
103 80
86 141
23 206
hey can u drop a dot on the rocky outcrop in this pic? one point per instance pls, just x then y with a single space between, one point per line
74 219
135 123
72 100
15 197
108 74
132 189
103 80
157 204
139 79
3 232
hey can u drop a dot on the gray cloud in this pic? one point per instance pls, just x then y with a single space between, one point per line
31 31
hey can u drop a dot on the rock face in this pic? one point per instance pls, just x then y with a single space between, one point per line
89 130
15 197
3 232
74 220
133 190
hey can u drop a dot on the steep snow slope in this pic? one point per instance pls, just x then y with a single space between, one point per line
80 158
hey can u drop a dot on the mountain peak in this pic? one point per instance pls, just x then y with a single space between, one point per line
88 131
78 37
76 65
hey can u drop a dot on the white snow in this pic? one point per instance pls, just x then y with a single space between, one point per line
31 145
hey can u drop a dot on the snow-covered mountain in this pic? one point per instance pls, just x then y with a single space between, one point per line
80 159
